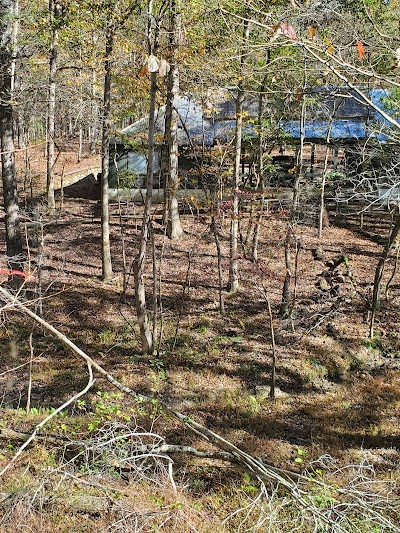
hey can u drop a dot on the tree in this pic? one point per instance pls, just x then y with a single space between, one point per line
105 158
233 284
174 227
55 13
146 335
13 231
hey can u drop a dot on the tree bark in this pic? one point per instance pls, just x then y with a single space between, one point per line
13 230
107 271
174 227
233 284
286 303
54 11
140 262
146 335
93 127
376 297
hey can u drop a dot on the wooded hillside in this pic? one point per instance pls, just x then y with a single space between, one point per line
199 274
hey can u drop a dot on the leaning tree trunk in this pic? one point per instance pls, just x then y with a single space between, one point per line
13 231
54 10
376 297
174 227
233 283
105 162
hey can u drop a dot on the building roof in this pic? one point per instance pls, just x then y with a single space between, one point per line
330 111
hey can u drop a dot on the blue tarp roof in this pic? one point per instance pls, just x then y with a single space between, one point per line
352 119
319 129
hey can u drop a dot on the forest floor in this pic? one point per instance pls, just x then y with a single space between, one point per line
338 392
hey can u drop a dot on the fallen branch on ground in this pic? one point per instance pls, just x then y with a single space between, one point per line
263 472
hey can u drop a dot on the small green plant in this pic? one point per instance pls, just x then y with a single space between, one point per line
127 179
202 325
300 455
106 406
158 500
159 371
323 494
247 485
107 336
374 344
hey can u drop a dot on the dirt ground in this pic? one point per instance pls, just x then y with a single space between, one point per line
322 351
338 392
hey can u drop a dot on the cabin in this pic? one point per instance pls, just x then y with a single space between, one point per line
333 115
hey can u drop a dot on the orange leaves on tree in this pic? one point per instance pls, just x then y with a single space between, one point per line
361 49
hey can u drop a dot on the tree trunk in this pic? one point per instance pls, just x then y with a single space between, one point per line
13 231
285 307
140 262
379 273
93 127
260 166
215 230
233 283
105 162
146 335
174 227
54 11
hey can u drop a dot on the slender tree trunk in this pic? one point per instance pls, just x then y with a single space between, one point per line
94 110
376 297
13 231
285 308
148 341
233 283
140 262
107 271
174 227
54 11
215 230
322 209
260 166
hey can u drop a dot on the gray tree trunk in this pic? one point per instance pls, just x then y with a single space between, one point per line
285 309
106 263
146 335
54 11
93 127
380 268
13 231
140 262
233 283
174 226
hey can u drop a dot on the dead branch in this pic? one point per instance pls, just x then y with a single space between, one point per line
49 417
263 472
18 436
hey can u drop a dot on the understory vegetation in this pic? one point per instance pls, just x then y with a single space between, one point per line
199 286
117 462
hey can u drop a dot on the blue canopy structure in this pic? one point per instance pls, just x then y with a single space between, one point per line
334 114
